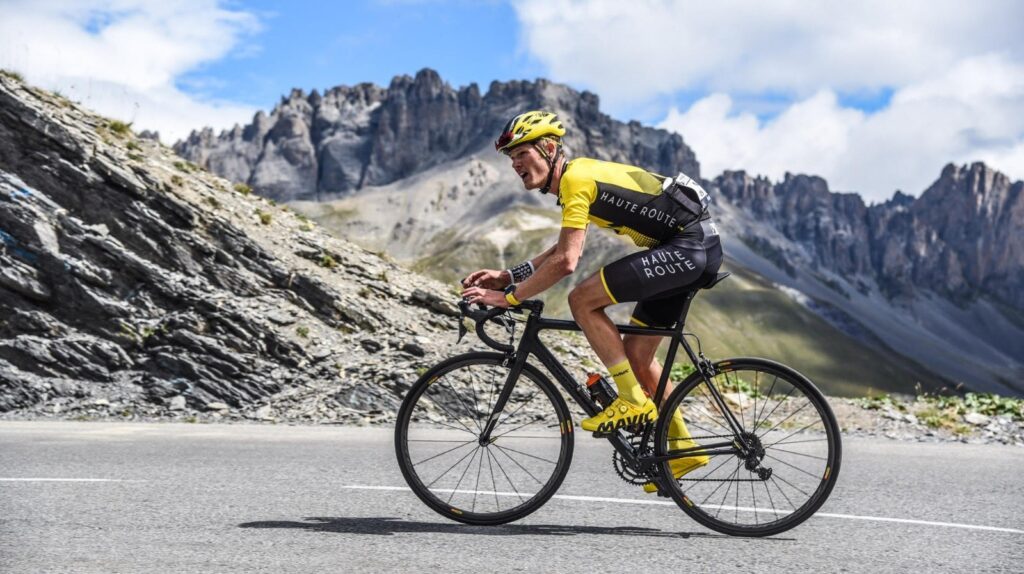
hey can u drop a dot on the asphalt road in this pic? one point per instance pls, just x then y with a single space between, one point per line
123 497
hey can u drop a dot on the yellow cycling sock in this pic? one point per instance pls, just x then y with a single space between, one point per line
679 436
625 380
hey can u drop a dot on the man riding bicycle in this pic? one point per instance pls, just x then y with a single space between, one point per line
667 216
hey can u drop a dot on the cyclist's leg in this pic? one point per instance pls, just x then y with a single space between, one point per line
640 350
587 302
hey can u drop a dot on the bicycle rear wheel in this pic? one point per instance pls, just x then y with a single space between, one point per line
793 455
437 440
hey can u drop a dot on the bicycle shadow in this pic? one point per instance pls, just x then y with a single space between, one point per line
389 526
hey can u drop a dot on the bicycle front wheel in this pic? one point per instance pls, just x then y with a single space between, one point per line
780 467
444 461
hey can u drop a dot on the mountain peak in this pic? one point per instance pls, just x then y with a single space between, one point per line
370 136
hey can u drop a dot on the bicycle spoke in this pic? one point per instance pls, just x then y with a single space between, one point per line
503 451
472 386
789 417
739 395
519 408
774 409
791 466
443 453
784 495
793 486
753 500
436 440
772 502
526 454
459 483
728 488
797 441
809 425
753 415
799 454
502 469
457 419
476 488
463 403
737 505
764 405
494 484
451 467
710 399
495 437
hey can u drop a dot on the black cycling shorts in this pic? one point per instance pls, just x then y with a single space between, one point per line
659 278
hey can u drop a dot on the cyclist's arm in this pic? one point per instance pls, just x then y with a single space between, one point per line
536 262
555 263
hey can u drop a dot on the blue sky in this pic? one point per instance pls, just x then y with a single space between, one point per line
321 45
874 96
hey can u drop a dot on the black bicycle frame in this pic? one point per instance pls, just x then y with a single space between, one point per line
530 344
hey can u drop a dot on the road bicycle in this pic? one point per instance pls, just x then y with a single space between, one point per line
485 438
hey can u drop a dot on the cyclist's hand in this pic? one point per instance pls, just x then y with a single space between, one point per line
486 278
485 296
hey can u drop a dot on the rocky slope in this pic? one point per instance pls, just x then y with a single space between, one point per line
322 146
133 284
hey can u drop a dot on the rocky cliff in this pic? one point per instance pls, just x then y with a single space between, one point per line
134 284
960 238
327 146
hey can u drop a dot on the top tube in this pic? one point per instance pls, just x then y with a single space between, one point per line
564 325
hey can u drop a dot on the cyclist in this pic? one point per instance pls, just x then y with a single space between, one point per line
667 216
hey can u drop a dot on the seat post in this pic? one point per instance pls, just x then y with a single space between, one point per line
686 309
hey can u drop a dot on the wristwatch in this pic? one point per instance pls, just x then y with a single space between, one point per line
510 295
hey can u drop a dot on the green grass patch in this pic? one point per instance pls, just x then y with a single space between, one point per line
327 261
120 128
12 75
243 188
265 218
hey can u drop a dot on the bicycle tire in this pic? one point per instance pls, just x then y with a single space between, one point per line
440 410
804 463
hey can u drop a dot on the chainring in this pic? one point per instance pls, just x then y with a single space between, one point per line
628 474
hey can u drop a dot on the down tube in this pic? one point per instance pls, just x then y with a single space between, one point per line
576 391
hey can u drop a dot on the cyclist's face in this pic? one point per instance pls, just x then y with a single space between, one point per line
529 166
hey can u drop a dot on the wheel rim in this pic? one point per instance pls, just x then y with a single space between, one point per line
786 467
459 475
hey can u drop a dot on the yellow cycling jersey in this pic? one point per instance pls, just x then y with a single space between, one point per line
620 197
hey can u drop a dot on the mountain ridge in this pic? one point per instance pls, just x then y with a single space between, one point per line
314 147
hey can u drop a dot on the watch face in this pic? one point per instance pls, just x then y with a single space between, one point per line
510 289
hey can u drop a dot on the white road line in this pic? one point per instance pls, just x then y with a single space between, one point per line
742 509
67 480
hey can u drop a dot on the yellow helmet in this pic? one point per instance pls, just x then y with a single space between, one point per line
528 127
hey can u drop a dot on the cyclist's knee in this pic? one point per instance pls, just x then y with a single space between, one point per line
585 297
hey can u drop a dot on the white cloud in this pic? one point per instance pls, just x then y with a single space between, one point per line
122 57
974 111
955 72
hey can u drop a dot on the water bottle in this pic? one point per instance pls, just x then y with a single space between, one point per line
600 390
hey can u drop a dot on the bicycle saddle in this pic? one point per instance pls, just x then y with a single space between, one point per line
718 279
